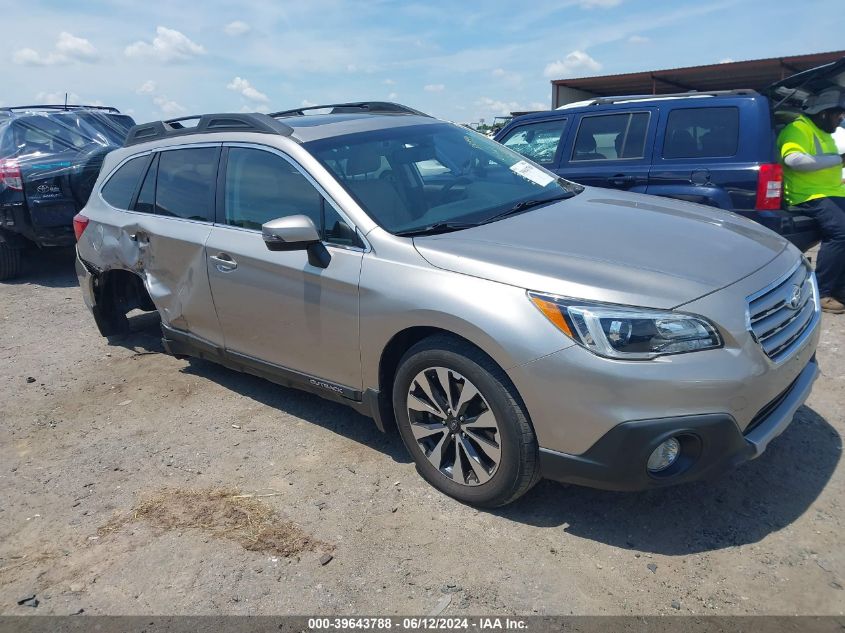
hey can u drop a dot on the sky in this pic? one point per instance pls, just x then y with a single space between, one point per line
456 60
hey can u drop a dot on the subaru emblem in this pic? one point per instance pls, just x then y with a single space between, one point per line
795 299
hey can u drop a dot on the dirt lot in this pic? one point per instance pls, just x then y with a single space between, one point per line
112 457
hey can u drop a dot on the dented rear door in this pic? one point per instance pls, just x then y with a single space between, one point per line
162 236
172 239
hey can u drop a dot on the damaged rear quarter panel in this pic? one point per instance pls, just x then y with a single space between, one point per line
167 253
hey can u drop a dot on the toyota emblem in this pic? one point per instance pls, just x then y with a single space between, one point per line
795 299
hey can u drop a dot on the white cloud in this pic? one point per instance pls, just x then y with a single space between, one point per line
726 60
488 108
499 108
49 98
574 62
147 88
77 48
434 88
307 104
389 82
68 48
167 106
168 45
255 108
30 57
237 28
599 4
247 90
507 76
392 96
638 39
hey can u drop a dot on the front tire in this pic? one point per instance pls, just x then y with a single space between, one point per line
463 423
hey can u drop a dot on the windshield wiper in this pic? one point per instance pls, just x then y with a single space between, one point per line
519 207
438 227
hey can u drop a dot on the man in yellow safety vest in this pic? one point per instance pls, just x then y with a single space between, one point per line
812 178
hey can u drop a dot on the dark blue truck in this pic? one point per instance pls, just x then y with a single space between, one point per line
713 148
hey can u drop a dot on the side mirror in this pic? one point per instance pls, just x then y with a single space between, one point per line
290 233
296 233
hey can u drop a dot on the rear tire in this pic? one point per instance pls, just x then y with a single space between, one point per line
476 443
10 260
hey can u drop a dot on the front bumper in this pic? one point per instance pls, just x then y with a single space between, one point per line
710 445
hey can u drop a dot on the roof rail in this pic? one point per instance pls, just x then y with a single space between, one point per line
373 107
60 107
691 93
225 122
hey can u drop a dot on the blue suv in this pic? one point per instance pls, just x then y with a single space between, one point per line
713 148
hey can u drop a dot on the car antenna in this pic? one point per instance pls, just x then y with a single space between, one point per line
65 101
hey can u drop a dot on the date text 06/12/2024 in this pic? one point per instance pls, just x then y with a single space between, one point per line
417 624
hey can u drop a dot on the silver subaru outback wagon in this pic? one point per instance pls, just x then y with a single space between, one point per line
513 325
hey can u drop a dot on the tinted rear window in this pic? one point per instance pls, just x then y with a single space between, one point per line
701 133
120 187
611 137
146 201
186 183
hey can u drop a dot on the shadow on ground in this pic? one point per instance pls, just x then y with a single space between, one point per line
145 336
743 506
51 267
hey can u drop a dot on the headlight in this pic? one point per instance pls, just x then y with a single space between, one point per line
627 333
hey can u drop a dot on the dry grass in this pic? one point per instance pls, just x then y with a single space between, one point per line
222 513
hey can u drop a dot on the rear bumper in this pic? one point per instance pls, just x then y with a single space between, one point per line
801 230
86 282
55 229
710 445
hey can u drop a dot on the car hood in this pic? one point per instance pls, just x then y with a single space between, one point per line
611 246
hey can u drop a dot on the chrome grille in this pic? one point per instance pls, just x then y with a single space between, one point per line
779 315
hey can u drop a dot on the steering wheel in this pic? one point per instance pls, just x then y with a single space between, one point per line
460 180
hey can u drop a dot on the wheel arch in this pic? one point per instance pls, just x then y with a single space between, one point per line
116 292
395 349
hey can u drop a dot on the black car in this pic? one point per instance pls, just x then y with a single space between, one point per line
50 157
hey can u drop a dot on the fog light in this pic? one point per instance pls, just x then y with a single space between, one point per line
664 455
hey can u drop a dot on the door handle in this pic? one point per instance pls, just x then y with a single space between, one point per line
224 262
621 179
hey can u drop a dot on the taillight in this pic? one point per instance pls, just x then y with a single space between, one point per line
769 187
10 174
80 222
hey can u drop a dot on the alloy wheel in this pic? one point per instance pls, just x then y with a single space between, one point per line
454 426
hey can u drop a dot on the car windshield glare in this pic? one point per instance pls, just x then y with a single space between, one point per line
411 177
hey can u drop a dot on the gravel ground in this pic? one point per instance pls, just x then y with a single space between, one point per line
91 428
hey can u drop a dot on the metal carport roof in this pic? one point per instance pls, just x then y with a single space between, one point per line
755 74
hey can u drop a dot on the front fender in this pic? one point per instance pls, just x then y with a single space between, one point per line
497 318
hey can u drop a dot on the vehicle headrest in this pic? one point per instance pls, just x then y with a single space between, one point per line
362 162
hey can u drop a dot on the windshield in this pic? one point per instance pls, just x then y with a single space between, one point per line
410 178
